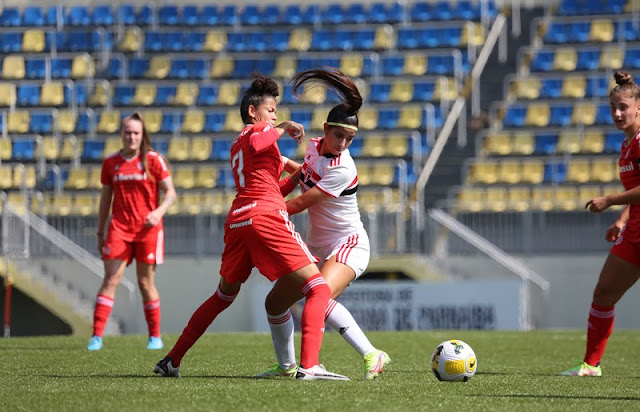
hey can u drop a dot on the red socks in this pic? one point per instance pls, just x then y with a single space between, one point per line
598 332
198 324
152 315
318 294
101 314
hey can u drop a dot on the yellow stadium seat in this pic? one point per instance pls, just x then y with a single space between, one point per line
186 94
401 91
24 176
71 148
94 178
299 40
483 172
602 30
313 94
286 66
593 141
351 64
229 93
565 59
217 202
193 121
184 177
190 203
471 199
518 198
179 149
364 173
51 94
33 41
509 171
108 121
101 94
59 204
415 64
542 198
579 170
131 41
524 143
382 173
49 148
588 192
383 39
78 178
566 198
611 57
152 120
215 41
145 94
584 114
111 145
527 88
66 121
532 171
7 94
13 67
497 144
222 67
369 200
569 141
283 114
85 204
610 189
319 118
410 117
6 148
82 66
6 176
538 115
373 145
397 145
18 202
574 87
605 169
200 148
206 176
496 199
159 68
18 121
233 122
174 209
368 118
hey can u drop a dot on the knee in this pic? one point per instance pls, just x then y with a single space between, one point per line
274 306
602 296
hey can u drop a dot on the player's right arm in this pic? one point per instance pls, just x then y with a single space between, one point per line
613 232
103 212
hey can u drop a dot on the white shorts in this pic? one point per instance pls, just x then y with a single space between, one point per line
353 251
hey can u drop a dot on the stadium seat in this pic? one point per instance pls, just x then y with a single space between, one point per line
484 172
184 177
131 41
579 170
85 203
200 149
8 97
179 148
206 176
82 66
6 177
186 94
471 199
300 40
108 121
612 143
538 115
215 41
159 68
532 171
233 122
13 67
222 67
496 199
194 121
518 199
604 170
78 178
33 41
229 93
24 176
509 171
144 95
52 94
18 121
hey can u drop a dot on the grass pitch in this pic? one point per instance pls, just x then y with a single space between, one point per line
516 371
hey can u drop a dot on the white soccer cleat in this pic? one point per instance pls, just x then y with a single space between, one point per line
166 369
318 372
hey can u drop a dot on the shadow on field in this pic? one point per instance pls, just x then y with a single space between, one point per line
147 376
589 398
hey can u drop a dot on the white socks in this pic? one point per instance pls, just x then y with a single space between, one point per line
282 336
340 319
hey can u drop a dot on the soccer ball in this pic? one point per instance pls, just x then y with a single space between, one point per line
453 361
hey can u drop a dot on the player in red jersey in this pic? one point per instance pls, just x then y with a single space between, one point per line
336 233
622 267
130 181
258 233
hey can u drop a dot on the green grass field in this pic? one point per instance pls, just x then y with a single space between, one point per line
516 370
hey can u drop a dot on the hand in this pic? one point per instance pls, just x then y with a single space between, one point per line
294 129
613 232
153 218
100 242
598 204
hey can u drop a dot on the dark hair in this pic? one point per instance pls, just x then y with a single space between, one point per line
145 145
339 84
625 84
261 87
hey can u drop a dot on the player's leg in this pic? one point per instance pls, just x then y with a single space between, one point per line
149 252
113 271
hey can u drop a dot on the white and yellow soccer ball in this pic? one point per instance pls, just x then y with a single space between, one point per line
454 361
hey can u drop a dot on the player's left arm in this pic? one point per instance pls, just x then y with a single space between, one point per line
306 200
165 183
629 197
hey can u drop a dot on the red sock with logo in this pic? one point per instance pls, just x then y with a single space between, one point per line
152 315
317 294
101 314
598 332
198 324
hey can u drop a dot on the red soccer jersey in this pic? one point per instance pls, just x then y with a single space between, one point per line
629 164
257 166
134 194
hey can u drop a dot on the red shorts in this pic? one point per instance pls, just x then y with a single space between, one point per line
123 246
268 242
627 250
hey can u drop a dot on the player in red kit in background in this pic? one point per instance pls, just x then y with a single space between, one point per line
258 233
622 267
131 179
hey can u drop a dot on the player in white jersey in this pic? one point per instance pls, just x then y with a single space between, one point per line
335 233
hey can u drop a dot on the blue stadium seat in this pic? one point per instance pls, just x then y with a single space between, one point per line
209 15
430 37
171 122
114 69
83 122
423 91
345 39
597 86
168 15
257 41
208 95
92 150
79 41
542 61
145 16
356 146
102 15
289 147
355 14
555 172
588 60
56 15
214 122
80 93
466 10
126 14
311 14
35 68
557 33
364 39
123 94
61 67
279 41
442 11
225 179
222 149
632 59
322 40
450 36
392 65
138 67
386 13
303 117
10 42
334 14
380 92
421 11
174 41
551 88
28 95
229 15
161 146
514 116
237 41
407 38
250 15
388 118
10 17
190 15
33 16
561 115
154 41
41 122
23 149
164 95
79 16
625 30
270 15
194 40
293 14
545 144
603 115
612 141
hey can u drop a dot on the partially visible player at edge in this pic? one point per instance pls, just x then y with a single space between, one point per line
622 267
336 234
131 178
258 233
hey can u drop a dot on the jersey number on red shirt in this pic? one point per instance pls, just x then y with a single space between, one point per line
240 165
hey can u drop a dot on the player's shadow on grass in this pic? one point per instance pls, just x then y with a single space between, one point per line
152 376
588 398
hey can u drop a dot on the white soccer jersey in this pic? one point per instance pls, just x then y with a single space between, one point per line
337 216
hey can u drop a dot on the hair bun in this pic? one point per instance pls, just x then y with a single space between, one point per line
622 78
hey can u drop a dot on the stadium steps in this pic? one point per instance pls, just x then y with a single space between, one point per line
403 267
